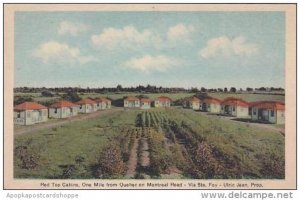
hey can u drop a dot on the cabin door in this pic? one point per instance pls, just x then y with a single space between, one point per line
130 104
226 109
263 115
204 107
40 115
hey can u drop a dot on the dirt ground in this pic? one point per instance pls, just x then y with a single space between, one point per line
133 160
145 159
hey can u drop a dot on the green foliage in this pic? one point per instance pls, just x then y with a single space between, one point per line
272 165
28 158
160 159
47 93
71 96
21 99
110 163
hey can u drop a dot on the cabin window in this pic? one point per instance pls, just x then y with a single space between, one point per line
55 110
254 111
80 107
233 109
18 115
272 113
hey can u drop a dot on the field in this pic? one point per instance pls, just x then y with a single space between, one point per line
250 97
157 143
174 96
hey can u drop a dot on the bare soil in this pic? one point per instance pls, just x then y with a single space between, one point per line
144 159
133 160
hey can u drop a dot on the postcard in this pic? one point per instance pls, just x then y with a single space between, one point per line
150 96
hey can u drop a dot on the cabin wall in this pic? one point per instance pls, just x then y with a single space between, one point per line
29 117
195 105
160 104
280 117
63 112
213 108
242 111
87 108
19 117
145 105
131 104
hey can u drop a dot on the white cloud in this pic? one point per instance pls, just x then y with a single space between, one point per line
152 63
226 47
66 27
179 32
127 37
55 52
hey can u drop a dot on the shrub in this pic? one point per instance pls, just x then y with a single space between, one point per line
18 100
28 158
204 159
110 162
272 166
71 96
160 159
46 93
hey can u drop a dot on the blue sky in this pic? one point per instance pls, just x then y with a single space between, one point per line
172 49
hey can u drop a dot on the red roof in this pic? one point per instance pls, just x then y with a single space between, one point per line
145 100
29 106
85 101
231 101
63 104
275 105
102 99
131 98
211 100
163 98
195 99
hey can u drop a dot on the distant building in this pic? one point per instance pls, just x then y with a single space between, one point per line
131 102
162 102
86 106
210 104
235 107
145 103
192 102
63 109
29 113
268 111
103 103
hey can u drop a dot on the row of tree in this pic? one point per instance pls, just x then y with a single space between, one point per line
146 89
